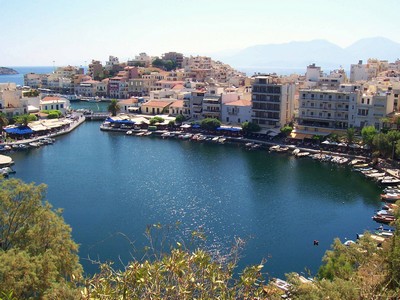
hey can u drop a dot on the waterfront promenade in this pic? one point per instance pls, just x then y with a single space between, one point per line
74 124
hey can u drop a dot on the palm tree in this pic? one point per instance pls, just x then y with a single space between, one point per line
113 107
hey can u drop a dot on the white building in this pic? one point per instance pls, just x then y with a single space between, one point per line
55 103
236 112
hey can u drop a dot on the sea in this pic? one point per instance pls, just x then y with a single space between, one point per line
112 187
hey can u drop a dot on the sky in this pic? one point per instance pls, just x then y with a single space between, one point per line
73 32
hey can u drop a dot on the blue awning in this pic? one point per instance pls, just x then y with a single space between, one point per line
19 130
233 129
196 126
119 121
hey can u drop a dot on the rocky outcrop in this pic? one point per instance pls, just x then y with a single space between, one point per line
7 71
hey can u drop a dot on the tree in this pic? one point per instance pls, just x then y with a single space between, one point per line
37 254
24 120
155 120
3 120
368 133
210 123
382 145
113 107
350 133
179 119
249 127
158 63
286 130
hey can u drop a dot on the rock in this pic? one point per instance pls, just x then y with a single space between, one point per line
7 71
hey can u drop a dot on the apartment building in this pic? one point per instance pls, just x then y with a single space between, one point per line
273 101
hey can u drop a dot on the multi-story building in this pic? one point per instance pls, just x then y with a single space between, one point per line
10 100
273 101
325 111
96 70
193 104
175 57
372 105
111 63
34 80
365 72
142 60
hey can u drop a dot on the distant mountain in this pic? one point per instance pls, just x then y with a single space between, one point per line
323 53
377 47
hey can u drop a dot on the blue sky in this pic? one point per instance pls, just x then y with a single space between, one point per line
77 31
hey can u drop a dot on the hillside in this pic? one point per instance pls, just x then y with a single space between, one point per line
7 71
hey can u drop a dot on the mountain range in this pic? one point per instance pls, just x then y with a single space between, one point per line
299 54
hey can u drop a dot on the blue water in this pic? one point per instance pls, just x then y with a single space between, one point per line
112 185
19 78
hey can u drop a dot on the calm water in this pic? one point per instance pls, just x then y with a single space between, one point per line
19 78
109 184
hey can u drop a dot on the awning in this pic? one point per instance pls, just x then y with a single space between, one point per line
18 130
38 127
185 126
33 109
232 129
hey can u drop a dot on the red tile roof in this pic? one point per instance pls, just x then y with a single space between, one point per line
177 103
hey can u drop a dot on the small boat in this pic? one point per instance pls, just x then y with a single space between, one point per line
7 171
215 139
349 242
34 144
255 146
295 152
360 166
147 133
248 145
221 140
384 219
390 197
302 154
140 133
201 138
282 149
274 148
281 284
391 180
129 132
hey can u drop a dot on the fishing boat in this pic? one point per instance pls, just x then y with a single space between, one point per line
383 219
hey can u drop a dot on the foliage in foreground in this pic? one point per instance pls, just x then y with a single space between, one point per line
38 258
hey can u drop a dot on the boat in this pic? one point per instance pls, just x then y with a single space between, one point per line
359 166
302 154
282 149
281 284
384 219
215 139
390 197
274 148
140 133
249 145
35 144
349 242
391 180
296 151
255 146
201 138
5 171
221 140
147 133
129 132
